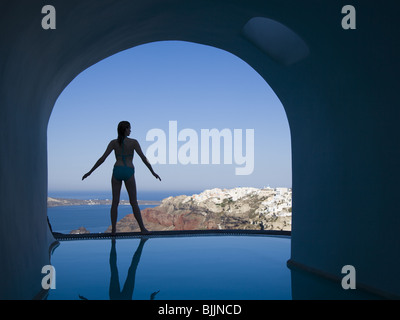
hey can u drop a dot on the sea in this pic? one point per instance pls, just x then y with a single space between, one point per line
96 218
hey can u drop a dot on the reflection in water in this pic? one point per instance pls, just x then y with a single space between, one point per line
182 268
115 292
189 268
129 285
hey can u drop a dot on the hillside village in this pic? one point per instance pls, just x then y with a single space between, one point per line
238 208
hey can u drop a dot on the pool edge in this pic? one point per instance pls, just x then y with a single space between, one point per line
173 233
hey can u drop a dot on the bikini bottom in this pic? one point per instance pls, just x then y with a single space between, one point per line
123 172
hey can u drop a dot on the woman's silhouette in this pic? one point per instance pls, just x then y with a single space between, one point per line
124 170
115 289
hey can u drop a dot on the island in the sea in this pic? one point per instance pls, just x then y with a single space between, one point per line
238 208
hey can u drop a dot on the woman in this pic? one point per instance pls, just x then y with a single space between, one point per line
124 171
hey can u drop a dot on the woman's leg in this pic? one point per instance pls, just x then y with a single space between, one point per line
130 185
116 192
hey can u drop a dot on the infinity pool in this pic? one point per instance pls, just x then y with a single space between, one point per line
173 268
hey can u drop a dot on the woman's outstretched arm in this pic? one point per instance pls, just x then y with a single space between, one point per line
109 149
139 151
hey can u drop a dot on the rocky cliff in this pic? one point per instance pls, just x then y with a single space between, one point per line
239 208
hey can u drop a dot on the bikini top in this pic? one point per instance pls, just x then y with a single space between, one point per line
123 155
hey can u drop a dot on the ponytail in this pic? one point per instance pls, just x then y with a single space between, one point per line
122 126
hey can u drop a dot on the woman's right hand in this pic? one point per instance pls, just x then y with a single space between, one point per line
156 176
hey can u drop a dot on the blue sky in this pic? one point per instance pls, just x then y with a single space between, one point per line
198 86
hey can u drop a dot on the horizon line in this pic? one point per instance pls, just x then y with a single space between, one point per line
171 190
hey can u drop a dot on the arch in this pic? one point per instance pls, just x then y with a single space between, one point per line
179 112
343 123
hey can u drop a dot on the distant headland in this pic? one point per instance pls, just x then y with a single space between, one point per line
57 202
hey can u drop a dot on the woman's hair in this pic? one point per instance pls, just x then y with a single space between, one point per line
122 126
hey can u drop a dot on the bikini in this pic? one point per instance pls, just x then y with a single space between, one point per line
123 172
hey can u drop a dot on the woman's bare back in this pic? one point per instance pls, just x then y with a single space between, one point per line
127 150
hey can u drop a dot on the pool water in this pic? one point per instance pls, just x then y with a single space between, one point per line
173 268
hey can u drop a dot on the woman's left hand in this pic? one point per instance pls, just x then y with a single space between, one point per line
85 176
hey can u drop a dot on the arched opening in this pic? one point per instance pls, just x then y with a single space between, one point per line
206 120
343 123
